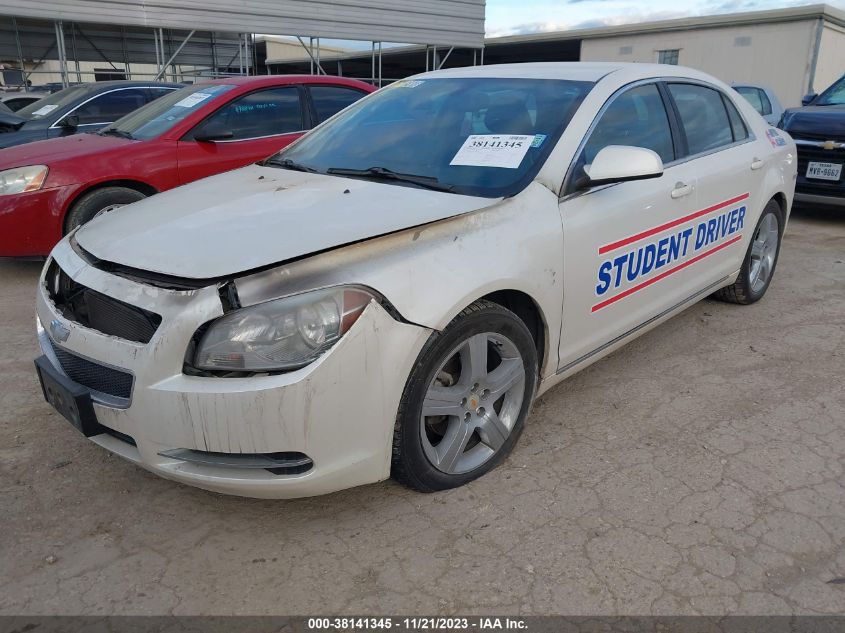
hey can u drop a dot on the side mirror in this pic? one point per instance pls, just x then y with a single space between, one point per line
621 163
70 122
213 131
807 99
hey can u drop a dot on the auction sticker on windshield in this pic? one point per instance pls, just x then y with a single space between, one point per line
45 110
193 99
493 150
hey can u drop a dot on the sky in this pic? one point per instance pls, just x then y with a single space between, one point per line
517 17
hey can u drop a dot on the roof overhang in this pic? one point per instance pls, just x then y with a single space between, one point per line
444 22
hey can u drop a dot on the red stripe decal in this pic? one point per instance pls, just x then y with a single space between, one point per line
663 275
663 227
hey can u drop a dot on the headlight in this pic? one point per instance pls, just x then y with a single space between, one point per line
22 179
283 334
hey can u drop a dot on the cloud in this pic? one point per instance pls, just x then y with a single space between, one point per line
528 28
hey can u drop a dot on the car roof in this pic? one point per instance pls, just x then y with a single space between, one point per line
122 83
261 80
573 71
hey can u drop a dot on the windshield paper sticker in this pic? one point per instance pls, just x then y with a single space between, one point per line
493 150
193 99
44 110
632 267
775 138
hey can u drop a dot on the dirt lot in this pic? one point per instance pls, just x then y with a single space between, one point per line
699 470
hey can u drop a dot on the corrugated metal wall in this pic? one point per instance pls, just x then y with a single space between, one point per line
113 44
441 22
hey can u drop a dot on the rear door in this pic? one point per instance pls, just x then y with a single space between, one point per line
729 162
623 243
261 122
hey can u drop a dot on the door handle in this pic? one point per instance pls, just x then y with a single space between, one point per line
757 163
681 189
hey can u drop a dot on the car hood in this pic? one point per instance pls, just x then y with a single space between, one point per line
257 216
49 151
828 121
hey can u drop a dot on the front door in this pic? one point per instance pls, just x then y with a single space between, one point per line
261 123
624 243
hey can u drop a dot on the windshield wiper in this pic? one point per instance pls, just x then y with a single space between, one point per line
113 131
288 163
383 173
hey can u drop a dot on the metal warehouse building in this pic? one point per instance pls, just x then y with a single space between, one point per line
83 40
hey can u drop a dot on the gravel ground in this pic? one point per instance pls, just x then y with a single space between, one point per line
698 470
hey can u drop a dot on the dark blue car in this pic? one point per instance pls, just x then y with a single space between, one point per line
819 132
82 108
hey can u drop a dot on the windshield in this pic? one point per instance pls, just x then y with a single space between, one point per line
835 95
158 116
476 136
50 103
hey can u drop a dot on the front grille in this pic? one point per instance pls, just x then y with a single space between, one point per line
98 311
106 380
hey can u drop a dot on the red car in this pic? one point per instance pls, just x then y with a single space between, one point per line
47 188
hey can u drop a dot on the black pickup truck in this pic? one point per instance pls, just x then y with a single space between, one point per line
819 132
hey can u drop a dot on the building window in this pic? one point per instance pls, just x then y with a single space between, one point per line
108 74
668 56
626 50
13 77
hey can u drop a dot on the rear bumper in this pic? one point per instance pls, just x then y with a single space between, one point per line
31 223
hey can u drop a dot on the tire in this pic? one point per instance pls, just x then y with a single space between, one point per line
474 411
758 267
97 201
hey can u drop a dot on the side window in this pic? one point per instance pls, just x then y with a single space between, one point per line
329 100
636 117
738 129
703 117
262 113
111 106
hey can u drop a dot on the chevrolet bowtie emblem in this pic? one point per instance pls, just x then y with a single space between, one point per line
59 331
830 144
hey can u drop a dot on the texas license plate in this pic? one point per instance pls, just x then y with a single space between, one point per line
824 171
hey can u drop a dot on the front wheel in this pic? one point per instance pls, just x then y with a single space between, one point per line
758 267
99 201
466 399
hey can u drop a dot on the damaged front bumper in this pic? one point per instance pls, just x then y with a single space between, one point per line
318 429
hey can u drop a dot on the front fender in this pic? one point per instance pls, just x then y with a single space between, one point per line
432 272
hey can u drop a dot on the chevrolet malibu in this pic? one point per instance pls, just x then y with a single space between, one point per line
389 294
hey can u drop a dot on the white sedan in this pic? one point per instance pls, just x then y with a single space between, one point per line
388 295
